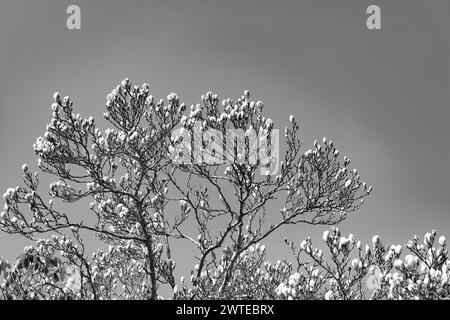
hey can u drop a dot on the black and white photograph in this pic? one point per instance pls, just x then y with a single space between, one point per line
226 156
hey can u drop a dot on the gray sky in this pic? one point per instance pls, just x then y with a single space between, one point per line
382 96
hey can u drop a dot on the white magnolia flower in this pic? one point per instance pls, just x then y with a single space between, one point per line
433 273
423 268
172 97
426 281
303 244
398 249
351 238
10 192
442 240
376 240
444 279
398 264
411 261
329 295
427 238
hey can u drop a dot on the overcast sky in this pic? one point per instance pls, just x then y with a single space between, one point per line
382 96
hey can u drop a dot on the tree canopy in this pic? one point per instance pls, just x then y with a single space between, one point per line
207 177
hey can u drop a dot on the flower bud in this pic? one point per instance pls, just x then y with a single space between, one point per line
56 97
291 119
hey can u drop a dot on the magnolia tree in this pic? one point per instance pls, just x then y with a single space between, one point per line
211 178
